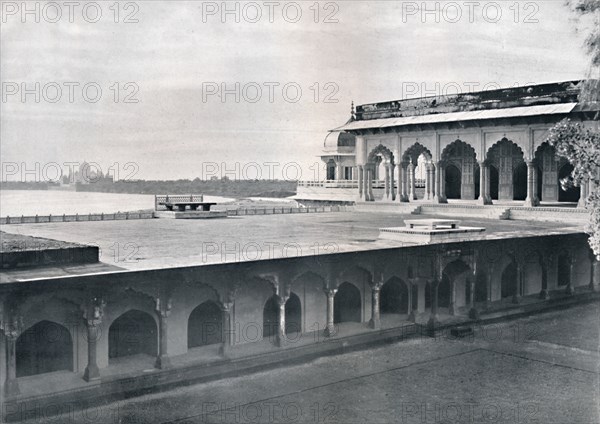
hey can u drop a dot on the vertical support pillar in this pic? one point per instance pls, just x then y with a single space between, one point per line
12 330
473 311
440 196
427 182
484 184
411 311
366 182
519 283
432 180
405 182
412 195
375 321
227 339
488 195
370 182
531 199
569 289
280 338
386 182
400 193
163 310
360 176
92 316
392 182
330 328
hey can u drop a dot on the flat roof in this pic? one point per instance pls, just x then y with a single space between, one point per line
148 244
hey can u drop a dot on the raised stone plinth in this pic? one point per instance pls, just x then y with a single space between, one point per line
191 214
425 231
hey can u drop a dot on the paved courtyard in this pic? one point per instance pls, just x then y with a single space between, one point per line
540 369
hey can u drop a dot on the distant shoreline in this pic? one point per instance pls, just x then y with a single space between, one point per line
224 187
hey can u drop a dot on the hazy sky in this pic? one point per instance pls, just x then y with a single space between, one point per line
179 53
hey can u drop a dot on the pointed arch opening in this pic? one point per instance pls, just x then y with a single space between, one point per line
45 347
393 297
133 333
205 325
293 315
347 304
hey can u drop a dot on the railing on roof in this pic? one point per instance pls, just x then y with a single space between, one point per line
161 198
419 183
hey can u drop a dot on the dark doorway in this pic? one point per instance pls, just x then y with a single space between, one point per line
481 288
132 333
572 193
477 180
293 315
45 347
509 281
205 325
564 269
520 182
444 292
347 304
453 182
331 170
271 317
494 182
394 297
428 295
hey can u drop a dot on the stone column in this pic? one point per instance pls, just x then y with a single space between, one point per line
163 310
517 296
473 311
432 180
392 191
339 172
405 182
12 331
227 339
484 194
531 199
400 193
544 294
280 338
375 321
427 182
412 195
360 181
366 182
411 312
386 182
569 289
488 283
330 328
488 195
92 316
370 183
440 181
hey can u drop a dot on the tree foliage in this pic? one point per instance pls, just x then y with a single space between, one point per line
581 147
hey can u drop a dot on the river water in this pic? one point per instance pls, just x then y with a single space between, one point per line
55 202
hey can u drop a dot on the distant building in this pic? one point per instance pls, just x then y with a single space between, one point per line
481 146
